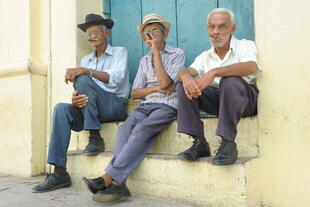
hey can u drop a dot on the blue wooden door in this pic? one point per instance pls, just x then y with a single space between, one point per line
188 24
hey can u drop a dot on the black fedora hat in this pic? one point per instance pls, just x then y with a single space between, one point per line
95 19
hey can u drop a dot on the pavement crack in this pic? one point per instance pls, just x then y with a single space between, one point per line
3 189
29 183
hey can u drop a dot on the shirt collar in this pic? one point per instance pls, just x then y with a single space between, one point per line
232 46
233 43
169 49
108 51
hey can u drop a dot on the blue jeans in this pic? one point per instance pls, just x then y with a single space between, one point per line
102 106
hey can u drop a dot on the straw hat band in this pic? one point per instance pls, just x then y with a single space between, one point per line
153 18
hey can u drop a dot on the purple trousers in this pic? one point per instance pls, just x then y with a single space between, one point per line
136 136
233 99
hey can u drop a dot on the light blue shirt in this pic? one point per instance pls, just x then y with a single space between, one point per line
113 62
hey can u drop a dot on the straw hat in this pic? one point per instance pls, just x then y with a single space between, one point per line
153 18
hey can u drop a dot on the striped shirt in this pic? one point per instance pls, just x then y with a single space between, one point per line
173 60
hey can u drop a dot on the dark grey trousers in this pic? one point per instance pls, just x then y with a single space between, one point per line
234 98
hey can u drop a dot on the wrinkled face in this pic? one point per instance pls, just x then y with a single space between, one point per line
154 30
97 35
220 28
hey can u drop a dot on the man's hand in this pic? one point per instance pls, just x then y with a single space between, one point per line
168 90
156 43
205 80
72 73
79 100
190 86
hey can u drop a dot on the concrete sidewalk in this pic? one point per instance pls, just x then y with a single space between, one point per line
16 192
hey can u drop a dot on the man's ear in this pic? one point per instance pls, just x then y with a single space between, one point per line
234 28
107 32
165 33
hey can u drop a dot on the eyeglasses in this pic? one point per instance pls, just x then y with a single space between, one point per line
94 32
148 34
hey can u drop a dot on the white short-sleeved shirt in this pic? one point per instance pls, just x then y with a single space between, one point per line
240 51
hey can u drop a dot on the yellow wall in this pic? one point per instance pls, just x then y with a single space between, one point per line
282 32
22 124
15 125
40 42
39 32
23 68
27 97
15 32
84 8
38 124
63 48
69 44
282 36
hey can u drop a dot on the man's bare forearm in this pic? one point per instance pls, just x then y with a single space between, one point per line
237 69
186 72
163 78
102 76
139 93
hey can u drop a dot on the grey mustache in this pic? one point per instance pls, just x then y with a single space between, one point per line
92 39
213 36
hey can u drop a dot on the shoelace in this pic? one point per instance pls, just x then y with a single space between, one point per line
93 140
196 144
220 148
98 181
48 175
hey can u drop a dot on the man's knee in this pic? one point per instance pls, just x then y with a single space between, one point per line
140 132
61 109
126 126
179 86
232 83
180 89
82 81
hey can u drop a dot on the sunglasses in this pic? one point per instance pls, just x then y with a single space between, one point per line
149 33
94 32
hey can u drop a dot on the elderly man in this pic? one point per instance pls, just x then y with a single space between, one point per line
101 86
155 83
225 86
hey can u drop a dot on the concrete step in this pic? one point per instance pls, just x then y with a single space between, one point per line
171 142
166 177
16 192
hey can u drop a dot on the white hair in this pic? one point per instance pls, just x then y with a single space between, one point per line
103 27
223 10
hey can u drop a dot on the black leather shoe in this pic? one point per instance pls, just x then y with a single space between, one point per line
95 146
200 148
52 182
94 185
112 193
226 154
